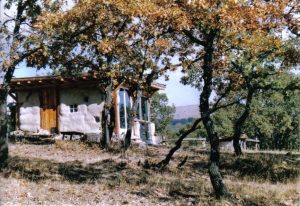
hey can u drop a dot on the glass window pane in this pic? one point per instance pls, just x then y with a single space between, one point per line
138 109
121 108
127 106
144 108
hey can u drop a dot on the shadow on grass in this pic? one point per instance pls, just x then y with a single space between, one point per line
272 167
35 169
200 166
35 140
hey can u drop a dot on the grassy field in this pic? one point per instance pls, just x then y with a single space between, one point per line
82 174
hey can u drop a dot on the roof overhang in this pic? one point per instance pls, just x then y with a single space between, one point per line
28 83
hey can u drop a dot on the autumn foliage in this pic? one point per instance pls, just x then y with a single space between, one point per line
230 45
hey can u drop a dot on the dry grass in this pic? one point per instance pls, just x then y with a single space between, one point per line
80 174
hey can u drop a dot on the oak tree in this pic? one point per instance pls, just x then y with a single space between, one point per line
214 31
16 36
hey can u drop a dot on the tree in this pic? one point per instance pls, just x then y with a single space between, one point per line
149 57
161 113
16 36
214 31
274 119
205 35
90 37
112 40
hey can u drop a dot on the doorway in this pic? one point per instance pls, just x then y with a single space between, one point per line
48 110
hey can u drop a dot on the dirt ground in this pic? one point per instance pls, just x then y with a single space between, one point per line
75 173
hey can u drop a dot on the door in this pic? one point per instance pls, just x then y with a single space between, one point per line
48 110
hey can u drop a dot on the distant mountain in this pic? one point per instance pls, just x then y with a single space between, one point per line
185 112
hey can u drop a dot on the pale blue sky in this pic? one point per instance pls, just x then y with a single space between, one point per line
178 94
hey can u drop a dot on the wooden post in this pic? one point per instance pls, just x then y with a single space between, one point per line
58 110
117 112
256 144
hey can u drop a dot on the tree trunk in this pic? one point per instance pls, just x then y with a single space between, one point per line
240 123
106 121
135 97
214 173
3 111
3 126
4 87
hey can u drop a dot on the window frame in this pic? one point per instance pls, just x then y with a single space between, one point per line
125 91
73 108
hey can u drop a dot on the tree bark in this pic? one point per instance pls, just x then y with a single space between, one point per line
3 112
4 87
3 126
106 121
238 126
215 176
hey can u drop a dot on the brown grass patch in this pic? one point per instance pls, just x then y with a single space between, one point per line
70 172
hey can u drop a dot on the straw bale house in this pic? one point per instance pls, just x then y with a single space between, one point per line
58 105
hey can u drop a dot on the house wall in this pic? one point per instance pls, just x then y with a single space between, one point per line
29 104
87 118
90 105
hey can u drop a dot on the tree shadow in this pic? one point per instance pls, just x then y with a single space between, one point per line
200 166
35 169
76 172
274 168
35 140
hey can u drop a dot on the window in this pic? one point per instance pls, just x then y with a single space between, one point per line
97 119
144 108
143 115
73 108
124 108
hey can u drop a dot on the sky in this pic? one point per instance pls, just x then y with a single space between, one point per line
178 94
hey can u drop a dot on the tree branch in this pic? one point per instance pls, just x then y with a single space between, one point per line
193 38
162 164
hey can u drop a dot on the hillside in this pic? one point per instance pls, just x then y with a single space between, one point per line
185 112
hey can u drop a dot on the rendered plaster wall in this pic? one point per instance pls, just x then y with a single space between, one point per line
29 111
90 105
